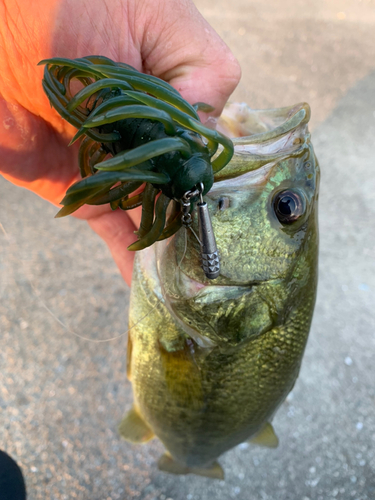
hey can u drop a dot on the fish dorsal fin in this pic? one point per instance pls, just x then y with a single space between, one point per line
134 429
266 437
167 464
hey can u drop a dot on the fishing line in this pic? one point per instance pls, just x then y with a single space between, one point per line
185 248
97 341
195 234
53 315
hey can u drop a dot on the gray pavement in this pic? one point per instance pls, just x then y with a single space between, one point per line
61 397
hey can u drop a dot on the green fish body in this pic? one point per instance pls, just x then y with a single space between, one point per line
211 361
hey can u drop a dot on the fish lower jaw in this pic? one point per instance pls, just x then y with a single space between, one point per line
187 286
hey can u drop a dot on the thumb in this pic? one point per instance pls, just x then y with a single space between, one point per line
179 46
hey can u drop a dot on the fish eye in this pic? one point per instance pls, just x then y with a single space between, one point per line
289 206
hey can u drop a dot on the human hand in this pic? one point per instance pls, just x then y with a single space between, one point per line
168 38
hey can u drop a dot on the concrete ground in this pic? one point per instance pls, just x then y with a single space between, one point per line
61 397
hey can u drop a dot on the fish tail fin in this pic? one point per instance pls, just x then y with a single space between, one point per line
167 464
134 429
266 437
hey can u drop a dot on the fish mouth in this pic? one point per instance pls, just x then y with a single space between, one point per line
213 315
192 288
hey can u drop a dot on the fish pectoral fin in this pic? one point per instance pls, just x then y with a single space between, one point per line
134 429
266 437
167 464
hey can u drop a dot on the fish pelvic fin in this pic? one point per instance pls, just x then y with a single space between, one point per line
134 429
167 464
266 437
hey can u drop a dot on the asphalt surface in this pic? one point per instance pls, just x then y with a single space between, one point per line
61 397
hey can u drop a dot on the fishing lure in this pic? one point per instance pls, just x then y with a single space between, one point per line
141 144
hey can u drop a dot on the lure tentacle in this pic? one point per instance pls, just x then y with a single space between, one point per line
117 194
148 205
133 202
173 225
157 227
151 85
87 92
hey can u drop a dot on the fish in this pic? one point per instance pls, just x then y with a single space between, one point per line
211 361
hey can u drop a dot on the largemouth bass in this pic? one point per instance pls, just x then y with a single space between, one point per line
211 361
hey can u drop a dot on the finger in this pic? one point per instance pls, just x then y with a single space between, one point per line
179 46
117 230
